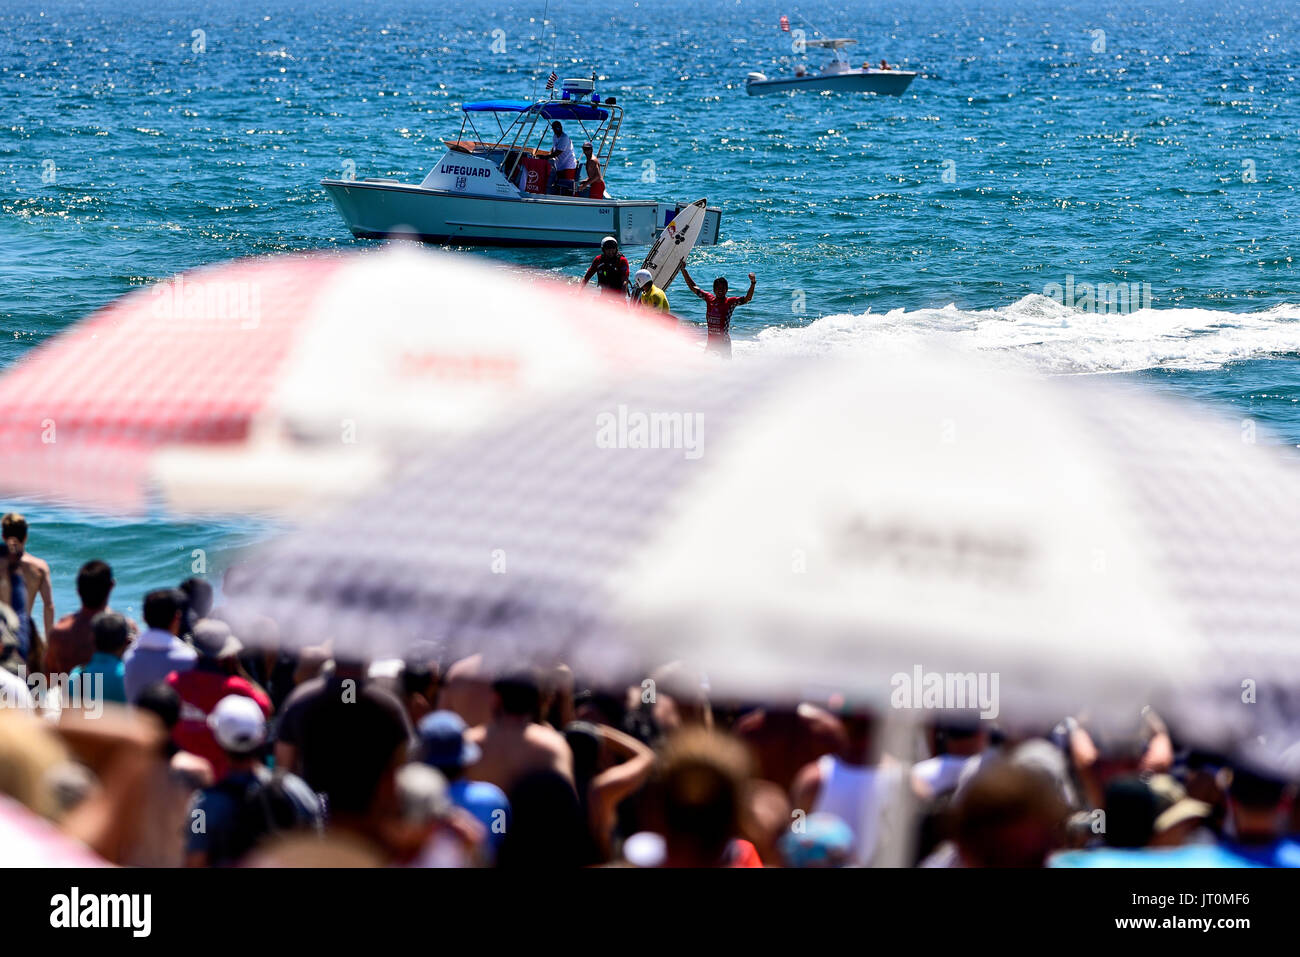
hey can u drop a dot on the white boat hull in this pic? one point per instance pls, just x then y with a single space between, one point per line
376 210
882 82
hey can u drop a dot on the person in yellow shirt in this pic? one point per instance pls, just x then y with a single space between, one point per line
648 293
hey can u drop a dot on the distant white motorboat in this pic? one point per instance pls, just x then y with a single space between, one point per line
838 75
497 189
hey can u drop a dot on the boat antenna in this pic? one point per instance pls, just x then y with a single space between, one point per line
809 23
545 9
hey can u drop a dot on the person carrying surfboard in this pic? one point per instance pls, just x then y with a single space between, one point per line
647 292
719 307
610 269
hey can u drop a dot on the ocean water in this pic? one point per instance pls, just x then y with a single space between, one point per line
1044 145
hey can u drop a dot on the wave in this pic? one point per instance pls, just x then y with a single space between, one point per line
1052 337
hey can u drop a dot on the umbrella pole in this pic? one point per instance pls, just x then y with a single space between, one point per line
897 816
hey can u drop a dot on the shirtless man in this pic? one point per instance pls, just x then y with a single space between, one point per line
36 577
514 743
593 186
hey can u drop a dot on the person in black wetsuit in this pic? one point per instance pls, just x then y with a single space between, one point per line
610 269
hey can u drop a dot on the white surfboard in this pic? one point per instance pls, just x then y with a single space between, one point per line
675 243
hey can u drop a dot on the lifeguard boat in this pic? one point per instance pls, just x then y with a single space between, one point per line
494 186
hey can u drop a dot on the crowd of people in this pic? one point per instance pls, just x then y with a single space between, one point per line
175 741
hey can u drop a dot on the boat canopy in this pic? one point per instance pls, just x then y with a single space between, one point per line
549 109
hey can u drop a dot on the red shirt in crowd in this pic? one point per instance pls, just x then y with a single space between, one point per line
200 690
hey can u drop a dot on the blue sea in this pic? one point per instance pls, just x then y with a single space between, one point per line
1044 144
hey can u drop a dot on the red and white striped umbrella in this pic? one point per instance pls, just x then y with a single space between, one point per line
27 840
253 384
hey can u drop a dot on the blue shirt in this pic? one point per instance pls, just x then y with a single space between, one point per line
1189 855
487 803
113 677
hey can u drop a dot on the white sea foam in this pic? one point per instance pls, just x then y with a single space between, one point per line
1052 337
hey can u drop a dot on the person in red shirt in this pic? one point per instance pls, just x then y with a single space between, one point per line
719 307
212 678
610 269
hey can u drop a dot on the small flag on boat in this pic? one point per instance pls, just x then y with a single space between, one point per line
785 23
550 81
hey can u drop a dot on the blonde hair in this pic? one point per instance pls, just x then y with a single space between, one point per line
30 753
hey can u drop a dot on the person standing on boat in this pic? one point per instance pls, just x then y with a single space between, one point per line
566 164
593 187
610 269
647 293
720 306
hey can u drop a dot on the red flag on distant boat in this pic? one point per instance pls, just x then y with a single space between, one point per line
550 81
785 23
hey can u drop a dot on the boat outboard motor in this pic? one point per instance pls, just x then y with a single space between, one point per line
757 77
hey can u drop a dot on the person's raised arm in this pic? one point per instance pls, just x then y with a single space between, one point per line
608 788
750 295
690 284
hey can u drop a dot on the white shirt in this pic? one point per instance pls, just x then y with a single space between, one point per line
940 773
860 797
564 146
14 692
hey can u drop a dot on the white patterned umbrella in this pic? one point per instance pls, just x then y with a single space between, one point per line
802 525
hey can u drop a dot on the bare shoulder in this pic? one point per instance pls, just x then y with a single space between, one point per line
546 737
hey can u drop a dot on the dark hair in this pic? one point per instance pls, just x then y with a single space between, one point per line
547 828
111 632
521 694
94 582
1256 789
161 606
1130 812
163 700
198 593
13 525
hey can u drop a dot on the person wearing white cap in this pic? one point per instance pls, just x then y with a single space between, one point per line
610 269
249 803
647 292
215 675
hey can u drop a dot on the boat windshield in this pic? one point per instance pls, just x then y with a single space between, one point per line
510 133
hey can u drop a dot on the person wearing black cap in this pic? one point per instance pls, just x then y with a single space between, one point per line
1259 806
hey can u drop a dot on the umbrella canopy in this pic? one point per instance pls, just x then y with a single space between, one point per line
31 841
798 526
249 385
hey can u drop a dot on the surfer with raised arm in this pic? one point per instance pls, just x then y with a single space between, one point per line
719 307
